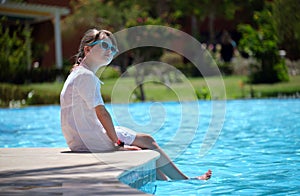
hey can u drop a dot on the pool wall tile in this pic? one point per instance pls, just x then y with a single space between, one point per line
142 178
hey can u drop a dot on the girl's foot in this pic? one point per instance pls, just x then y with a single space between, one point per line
205 176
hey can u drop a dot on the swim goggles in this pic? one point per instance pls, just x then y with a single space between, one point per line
105 45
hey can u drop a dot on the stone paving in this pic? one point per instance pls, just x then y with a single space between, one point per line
57 171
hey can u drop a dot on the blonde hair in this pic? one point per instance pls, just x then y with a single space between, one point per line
89 37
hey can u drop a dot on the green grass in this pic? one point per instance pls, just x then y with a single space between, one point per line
235 88
33 94
54 88
284 88
124 90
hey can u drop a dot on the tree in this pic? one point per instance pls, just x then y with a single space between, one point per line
13 53
286 17
115 15
200 10
261 43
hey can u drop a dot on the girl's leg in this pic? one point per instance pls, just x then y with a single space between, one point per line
164 164
160 175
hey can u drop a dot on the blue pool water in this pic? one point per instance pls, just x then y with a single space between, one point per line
257 151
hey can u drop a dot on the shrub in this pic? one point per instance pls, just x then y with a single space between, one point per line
261 43
171 58
9 92
226 68
31 95
13 53
203 93
286 19
108 73
176 60
39 75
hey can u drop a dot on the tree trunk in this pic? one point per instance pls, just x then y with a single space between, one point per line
139 81
211 19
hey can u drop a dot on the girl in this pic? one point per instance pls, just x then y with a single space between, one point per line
86 124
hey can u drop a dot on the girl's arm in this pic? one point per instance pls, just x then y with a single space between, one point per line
107 123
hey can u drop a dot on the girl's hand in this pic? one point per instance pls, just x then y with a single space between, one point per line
130 148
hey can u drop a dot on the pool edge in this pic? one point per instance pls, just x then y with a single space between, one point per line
56 170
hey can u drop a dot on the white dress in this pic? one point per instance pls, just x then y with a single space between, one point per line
80 125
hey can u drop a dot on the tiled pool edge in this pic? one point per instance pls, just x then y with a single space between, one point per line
56 170
142 177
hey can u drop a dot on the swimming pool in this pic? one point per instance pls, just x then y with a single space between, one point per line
257 152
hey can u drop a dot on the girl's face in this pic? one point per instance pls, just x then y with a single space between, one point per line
101 52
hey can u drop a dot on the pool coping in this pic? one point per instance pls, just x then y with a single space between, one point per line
59 171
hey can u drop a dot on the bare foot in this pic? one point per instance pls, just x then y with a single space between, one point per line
205 176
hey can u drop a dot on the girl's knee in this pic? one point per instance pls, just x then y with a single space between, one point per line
149 141
148 138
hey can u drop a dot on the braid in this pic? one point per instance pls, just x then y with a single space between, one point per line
79 56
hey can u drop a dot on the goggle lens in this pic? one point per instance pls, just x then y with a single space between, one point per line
106 46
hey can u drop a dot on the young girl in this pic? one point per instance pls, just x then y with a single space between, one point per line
86 124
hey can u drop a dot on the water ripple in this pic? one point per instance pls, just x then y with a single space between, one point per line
257 153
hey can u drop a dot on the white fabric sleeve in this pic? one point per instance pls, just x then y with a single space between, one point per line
89 87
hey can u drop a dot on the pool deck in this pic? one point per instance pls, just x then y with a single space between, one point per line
44 171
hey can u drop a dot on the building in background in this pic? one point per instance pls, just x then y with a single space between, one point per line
44 18
48 47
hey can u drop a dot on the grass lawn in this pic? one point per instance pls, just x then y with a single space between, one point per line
284 88
235 88
123 90
54 88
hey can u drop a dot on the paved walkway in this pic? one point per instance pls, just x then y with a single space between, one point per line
44 171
